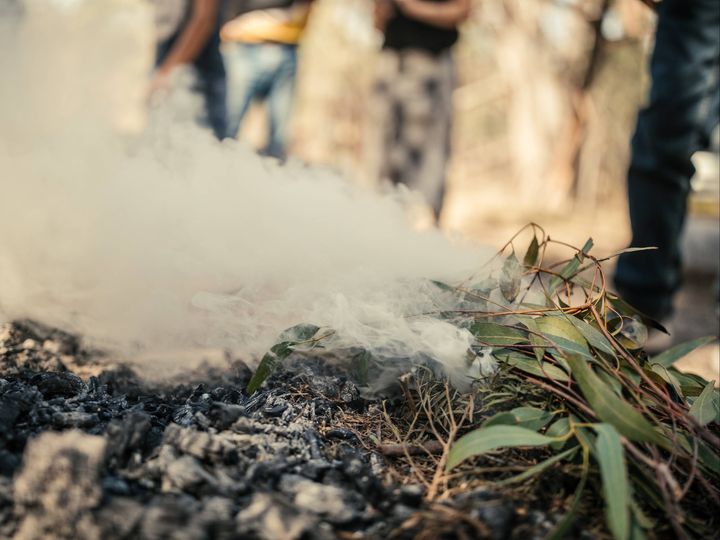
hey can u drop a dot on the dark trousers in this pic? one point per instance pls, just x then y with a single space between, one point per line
210 82
682 111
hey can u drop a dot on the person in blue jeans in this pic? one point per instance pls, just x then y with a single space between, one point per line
260 53
677 122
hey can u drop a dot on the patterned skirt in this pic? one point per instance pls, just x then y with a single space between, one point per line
411 115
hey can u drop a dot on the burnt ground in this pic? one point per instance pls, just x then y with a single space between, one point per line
111 456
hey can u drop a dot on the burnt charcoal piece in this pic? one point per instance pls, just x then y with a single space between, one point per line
273 517
120 518
411 494
200 444
276 410
315 469
52 385
339 433
15 400
169 517
128 435
9 463
489 508
330 503
223 416
58 487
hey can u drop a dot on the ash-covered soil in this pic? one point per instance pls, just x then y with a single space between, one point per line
111 456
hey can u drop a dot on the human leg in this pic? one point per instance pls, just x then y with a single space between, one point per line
422 113
668 132
280 100
243 80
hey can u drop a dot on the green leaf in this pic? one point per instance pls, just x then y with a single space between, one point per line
691 384
628 311
360 366
675 353
278 352
540 343
571 268
560 326
505 418
532 253
490 333
558 429
612 409
510 278
667 377
540 467
527 417
613 471
611 381
706 407
491 438
708 458
532 366
563 333
593 336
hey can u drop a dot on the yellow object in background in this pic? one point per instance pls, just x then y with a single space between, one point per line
279 25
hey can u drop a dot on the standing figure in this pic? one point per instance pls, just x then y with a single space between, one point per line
677 122
260 51
187 33
412 97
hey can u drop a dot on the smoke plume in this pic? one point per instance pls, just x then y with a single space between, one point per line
159 237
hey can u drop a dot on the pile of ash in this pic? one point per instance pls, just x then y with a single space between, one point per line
112 456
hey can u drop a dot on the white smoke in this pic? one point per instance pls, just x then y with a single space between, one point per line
168 239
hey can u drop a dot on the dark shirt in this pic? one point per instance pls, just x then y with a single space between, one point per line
403 32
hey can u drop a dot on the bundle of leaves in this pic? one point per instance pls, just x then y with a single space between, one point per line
575 390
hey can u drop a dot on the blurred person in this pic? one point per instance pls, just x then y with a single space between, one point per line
677 121
412 97
187 33
260 51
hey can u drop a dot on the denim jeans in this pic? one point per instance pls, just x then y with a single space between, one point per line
682 110
261 71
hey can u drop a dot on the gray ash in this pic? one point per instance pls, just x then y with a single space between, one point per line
112 456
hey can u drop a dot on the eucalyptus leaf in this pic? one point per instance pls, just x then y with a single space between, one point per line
612 409
527 417
532 253
490 333
510 278
708 458
538 341
672 355
491 438
533 367
615 485
561 332
592 335
706 407
278 352
571 268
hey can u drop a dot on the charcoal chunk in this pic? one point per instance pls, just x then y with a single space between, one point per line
273 517
52 385
58 486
